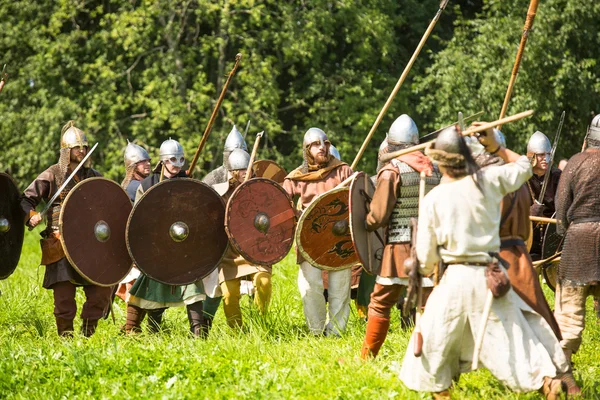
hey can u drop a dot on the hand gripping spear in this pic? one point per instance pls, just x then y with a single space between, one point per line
400 82
533 5
213 116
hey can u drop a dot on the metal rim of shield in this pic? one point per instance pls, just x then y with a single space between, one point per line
368 245
314 234
92 225
11 218
270 170
260 221
157 221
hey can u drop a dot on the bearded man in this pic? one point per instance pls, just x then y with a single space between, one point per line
319 173
60 276
459 224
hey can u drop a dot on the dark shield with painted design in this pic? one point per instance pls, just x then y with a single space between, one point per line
323 233
368 245
270 170
176 232
260 221
12 227
92 230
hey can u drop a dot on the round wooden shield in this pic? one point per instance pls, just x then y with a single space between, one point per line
552 242
260 221
92 230
270 170
550 273
12 227
368 245
176 233
323 233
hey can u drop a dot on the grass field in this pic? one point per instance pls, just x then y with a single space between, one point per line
274 358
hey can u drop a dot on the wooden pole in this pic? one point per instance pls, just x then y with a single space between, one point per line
213 116
542 220
399 83
533 5
254 150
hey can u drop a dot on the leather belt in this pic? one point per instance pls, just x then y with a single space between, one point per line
511 242
474 264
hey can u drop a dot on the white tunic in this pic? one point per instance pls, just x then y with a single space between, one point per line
460 223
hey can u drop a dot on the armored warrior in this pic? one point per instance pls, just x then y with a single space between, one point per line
137 168
60 276
234 268
395 201
234 140
538 152
578 215
459 224
148 295
319 173
514 231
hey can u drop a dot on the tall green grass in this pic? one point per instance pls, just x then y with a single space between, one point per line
274 357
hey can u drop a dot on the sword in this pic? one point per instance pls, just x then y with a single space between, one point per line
247 127
461 122
540 199
60 189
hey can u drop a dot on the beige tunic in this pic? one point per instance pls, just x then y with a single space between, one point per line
460 223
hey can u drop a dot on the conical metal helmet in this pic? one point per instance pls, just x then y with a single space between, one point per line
72 137
334 152
595 128
172 151
538 144
134 154
314 135
238 159
403 131
235 140
449 140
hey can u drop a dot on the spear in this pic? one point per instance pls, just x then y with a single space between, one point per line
533 5
253 155
213 116
400 82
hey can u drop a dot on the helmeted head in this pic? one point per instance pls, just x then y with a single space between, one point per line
237 165
316 147
538 150
403 131
594 134
171 152
133 156
451 152
72 138
334 152
234 140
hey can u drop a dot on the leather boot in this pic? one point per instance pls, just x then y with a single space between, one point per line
443 395
553 389
88 327
568 379
198 325
135 316
377 329
65 327
155 319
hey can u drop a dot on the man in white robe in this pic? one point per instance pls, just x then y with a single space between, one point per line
459 224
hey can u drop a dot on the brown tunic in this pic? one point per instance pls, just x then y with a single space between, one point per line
233 264
514 231
307 190
42 189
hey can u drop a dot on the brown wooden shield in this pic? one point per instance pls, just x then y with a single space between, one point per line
323 235
176 232
550 273
260 221
368 245
270 170
92 230
12 227
552 242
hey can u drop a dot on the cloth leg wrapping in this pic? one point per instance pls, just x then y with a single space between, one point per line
135 316
570 314
310 284
262 283
155 319
196 319
231 302
339 301
97 300
65 306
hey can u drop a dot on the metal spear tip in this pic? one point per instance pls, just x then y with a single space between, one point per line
260 134
4 225
238 56
443 4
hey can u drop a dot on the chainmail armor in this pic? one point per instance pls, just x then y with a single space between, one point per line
216 176
578 213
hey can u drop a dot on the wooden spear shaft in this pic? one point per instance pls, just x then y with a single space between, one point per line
533 5
213 116
253 156
399 83
389 156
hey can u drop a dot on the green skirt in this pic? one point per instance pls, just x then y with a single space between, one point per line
148 289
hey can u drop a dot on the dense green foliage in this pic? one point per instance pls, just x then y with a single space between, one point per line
275 358
147 70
